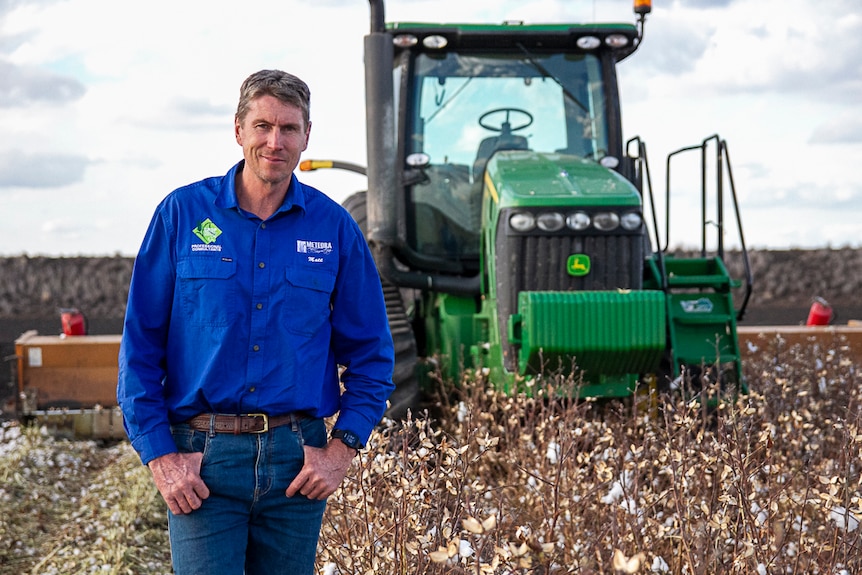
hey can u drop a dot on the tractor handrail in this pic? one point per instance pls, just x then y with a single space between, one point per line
722 158
749 275
642 167
667 192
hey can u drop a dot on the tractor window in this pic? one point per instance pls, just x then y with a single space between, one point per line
466 107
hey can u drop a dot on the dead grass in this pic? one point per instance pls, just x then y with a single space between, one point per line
518 485
72 507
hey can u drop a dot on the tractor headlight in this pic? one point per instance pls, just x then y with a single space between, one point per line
588 42
405 40
631 221
606 221
435 41
617 41
522 221
578 221
550 221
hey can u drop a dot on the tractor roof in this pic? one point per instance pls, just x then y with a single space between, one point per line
511 35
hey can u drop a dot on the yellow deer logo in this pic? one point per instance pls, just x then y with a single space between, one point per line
578 265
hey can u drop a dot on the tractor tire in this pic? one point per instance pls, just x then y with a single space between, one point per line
406 395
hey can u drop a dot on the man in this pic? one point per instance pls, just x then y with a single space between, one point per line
248 292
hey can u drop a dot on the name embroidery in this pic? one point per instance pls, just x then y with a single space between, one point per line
309 247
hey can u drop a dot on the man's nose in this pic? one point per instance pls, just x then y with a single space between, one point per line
276 139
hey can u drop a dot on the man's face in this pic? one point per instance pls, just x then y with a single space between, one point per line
272 135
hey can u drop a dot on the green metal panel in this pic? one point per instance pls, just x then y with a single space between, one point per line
700 326
604 332
453 326
701 273
525 178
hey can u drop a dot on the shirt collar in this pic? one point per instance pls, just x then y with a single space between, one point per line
226 197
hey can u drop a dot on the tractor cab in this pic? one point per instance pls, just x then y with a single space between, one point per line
468 93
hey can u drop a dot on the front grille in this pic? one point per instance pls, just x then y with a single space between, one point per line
538 263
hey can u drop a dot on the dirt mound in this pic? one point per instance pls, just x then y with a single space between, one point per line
785 281
38 287
799 275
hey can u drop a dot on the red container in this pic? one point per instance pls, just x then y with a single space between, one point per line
820 312
73 322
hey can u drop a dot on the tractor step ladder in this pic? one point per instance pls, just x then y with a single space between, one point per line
701 317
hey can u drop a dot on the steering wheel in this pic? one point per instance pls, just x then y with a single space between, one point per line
505 126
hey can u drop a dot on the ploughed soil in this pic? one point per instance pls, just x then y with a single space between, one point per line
33 290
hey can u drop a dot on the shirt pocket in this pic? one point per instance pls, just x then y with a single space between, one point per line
308 297
207 288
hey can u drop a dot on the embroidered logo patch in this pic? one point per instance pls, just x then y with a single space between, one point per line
314 250
308 247
207 231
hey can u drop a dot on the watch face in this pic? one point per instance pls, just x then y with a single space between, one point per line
349 438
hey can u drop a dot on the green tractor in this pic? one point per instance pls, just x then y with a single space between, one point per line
509 222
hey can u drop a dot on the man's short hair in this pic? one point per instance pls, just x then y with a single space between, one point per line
286 87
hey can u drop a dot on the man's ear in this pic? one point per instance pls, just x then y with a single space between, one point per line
307 135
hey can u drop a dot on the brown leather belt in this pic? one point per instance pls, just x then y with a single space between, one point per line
236 424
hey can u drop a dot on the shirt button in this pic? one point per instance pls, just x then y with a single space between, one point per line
261 265
251 389
256 348
259 306
263 226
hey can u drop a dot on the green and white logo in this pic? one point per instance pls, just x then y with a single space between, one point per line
207 231
578 265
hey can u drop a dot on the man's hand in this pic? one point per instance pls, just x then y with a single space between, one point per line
178 479
323 470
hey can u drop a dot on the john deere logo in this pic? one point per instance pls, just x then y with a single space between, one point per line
578 265
207 231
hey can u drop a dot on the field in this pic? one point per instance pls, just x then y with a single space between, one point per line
767 484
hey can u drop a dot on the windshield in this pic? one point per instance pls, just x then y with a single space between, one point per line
466 107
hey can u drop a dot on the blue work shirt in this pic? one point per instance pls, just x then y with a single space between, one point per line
231 314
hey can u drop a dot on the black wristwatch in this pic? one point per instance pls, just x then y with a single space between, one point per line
349 438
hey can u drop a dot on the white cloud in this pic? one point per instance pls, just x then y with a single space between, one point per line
40 170
126 101
844 129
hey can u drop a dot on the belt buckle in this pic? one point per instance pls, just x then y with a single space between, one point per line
265 422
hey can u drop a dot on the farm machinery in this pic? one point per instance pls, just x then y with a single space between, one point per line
67 383
515 230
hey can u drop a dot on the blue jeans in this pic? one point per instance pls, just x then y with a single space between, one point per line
248 525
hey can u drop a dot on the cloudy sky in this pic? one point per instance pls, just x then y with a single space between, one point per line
106 106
